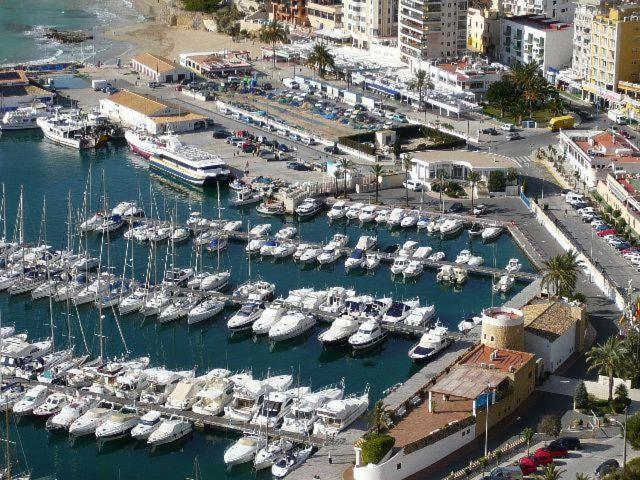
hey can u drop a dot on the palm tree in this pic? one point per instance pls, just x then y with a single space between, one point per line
379 417
336 175
551 472
562 273
420 83
528 434
273 32
484 462
321 59
582 476
607 359
473 177
406 164
377 170
345 165
441 175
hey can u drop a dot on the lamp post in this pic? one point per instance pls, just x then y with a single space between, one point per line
486 424
623 426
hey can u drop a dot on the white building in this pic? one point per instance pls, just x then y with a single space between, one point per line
159 69
465 76
134 110
561 10
370 21
16 91
593 154
431 29
553 332
529 38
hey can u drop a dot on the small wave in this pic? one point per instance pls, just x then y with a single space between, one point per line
55 56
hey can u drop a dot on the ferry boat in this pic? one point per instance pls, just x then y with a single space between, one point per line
23 118
70 130
188 164
144 144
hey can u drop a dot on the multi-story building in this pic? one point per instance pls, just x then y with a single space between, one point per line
483 30
622 192
324 14
561 10
288 11
528 38
431 29
614 53
370 21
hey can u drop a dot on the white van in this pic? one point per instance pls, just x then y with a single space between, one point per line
291 83
308 141
506 473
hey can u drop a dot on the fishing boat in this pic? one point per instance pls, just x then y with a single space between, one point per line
70 131
23 118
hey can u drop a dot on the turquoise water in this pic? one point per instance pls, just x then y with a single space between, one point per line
43 168
21 24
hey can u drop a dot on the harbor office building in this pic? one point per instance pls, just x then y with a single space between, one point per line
483 387
16 91
155 116
160 69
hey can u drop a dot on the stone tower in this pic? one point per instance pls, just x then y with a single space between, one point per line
503 327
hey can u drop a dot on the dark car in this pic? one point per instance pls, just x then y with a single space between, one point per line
490 131
267 86
455 207
570 443
555 450
221 134
283 148
606 468
331 149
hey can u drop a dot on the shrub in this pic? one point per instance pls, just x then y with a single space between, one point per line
497 181
550 425
580 396
207 6
633 430
375 447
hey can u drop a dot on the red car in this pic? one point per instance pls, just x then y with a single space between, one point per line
528 465
555 450
604 233
542 457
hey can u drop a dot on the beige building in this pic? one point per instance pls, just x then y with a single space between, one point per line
159 69
325 14
622 192
372 21
483 31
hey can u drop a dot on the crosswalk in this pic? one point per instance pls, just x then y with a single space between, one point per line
522 160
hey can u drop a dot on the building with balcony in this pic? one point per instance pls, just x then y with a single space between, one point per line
591 155
464 76
325 14
483 31
293 12
614 53
372 21
431 29
622 192
528 38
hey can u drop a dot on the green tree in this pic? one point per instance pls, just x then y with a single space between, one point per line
272 33
346 166
441 175
321 58
621 392
406 165
606 358
497 181
527 434
551 472
501 95
379 418
474 178
397 148
206 6
377 171
580 396
562 273
550 425
556 106
512 175
484 462
420 83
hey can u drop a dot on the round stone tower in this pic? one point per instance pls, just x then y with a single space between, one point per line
503 327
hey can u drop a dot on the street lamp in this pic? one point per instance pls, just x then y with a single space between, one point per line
623 426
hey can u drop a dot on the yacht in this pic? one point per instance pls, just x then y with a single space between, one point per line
339 332
246 196
335 300
436 256
431 344
310 255
33 398
51 406
410 219
463 257
127 209
244 318
284 250
178 308
451 227
57 372
270 453
22 118
368 214
271 208
340 240
275 406
180 234
291 461
211 400
491 233
337 415
94 417
355 260
133 302
286 233
399 264
422 253
419 316
353 212
369 334
10 395
513 265
205 310
118 424
69 132
155 302
367 242
254 290
476 230
330 253
371 260
170 430
445 274
148 424
161 383
504 284
433 226
244 450
399 311
188 164
260 231
309 207
247 398
177 277
423 222
292 324
269 317
382 216
338 210
475 261
460 275
70 413
395 217
408 248
185 394
302 415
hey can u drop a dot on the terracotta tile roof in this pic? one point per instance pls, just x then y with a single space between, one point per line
468 382
140 103
183 117
549 320
155 62
502 361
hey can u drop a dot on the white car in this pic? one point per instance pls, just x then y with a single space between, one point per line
587 210
479 209
597 222
508 127
414 185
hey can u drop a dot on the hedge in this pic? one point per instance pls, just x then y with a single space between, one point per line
375 447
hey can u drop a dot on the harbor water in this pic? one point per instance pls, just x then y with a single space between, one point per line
43 169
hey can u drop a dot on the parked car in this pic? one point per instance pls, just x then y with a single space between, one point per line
508 127
528 466
413 185
490 131
154 84
604 233
479 209
298 166
601 228
331 149
556 450
506 473
221 134
542 457
455 207
513 136
606 467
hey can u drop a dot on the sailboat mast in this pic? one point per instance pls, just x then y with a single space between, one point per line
44 235
6 418
4 213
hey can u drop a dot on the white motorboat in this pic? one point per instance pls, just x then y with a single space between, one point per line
127 209
70 413
178 308
460 275
395 217
436 256
382 216
291 461
339 332
286 233
33 398
337 415
254 290
504 284
371 260
413 270
161 383
302 247
476 230
302 415
170 430
269 454
255 245
58 371
260 231
422 253
419 316
445 274
408 248
369 335
309 207
23 118
159 234
399 264
246 196
513 265
211 400
205 237
275 406
232 226
148 424
291 325
180 234
177 277
423 222
203 311
410 219
197 222
86 424
51 406
451 227
368 214
335 300
185 394
207 281
310 255
271 208
399 311
338 210
244 318
247 398
330 253
269 317
353 212
355 260
367 242
340 240
284 250
463 257
491 233
431 344
117 424
244 450
475 261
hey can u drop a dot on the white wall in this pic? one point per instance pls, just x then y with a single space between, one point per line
402 466
555 353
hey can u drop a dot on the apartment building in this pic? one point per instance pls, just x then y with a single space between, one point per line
527 38
614 53
372 21
324 14
483 30
561 10
289 11
431 29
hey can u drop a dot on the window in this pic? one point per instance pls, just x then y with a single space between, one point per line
492 338
398 466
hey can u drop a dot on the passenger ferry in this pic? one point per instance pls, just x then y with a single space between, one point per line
144 144
188 164
23 118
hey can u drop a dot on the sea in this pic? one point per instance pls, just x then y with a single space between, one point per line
23 23
114 174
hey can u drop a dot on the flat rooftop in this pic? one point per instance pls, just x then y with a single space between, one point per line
473 160
540 22
502 361
13 77
468 382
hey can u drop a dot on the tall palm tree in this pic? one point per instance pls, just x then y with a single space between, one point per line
420 82
406 165
582 476
441 175
336 175
345 165
379 417
377 170
272 33
474 178
528 434
607 359
321 59
562 273
551 472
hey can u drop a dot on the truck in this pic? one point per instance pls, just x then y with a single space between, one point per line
291 83
563 122
617 116
98 84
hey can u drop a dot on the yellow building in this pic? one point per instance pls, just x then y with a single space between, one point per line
483 29
615 52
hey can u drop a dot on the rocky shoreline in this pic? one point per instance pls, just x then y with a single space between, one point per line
67 36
